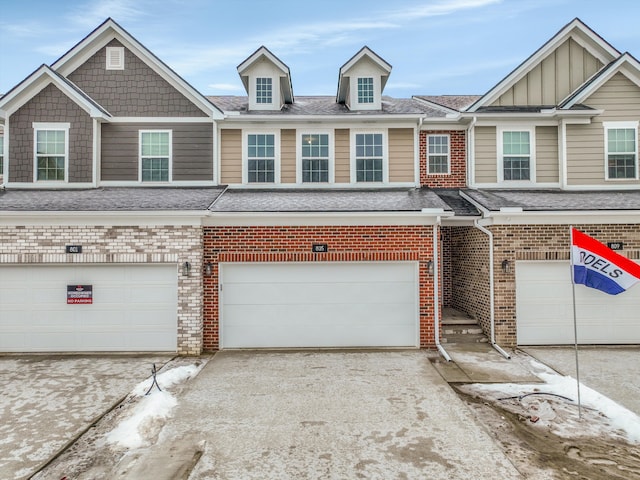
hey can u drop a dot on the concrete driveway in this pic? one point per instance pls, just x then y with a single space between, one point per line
48 400
612 371
310 415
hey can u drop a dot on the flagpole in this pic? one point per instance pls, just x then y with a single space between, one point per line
575 322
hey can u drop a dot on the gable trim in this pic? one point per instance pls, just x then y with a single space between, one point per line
109 30
599 48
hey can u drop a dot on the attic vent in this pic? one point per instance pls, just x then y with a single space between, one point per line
115 58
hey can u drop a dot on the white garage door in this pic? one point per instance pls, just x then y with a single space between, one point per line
134 308
544 309
319 305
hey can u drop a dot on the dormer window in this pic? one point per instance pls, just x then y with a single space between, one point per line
264 90
365 90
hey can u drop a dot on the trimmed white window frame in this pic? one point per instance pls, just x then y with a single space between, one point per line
245 155
261 90
366 92
385 155
115 58
629 125
532 154
300 135
141 157
56 127
434 154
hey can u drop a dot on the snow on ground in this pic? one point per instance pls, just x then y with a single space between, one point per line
140 426
600 414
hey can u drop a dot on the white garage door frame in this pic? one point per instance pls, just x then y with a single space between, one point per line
135 308
351 339
544 308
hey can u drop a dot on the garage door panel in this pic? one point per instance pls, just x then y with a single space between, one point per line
319 305
544 309
134 308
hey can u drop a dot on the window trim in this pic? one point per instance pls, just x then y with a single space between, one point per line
54 126
270 102
170 173
532 154
114 66
448 136
629 125
245 155
385 155
300 133
373 90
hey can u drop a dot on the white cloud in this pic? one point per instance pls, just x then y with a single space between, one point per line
97 11
445 7
226 87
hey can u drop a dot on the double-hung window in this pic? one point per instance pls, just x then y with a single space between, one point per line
516 155
264 90
365 90
369 157
315 157
261 158
155 155
51 151
437 154
621 150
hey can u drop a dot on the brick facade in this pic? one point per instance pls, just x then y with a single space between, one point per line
37 245
470 266
136 91
457 178
50 105
470 274
293 244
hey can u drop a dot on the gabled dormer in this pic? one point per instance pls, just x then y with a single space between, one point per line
267 80
362 80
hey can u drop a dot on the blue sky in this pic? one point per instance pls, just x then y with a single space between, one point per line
435 46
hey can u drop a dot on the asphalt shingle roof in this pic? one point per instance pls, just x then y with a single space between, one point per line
374 200
459 205
109 199
556 200
454 102
325 105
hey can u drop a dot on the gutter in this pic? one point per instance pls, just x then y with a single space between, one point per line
436 291
476 223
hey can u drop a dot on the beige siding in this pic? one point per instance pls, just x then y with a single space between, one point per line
342 156
557 75
401 154
620 100
547 155
288 156
486 155
231 156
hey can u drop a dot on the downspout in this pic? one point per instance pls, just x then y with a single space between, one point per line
216 154
436 291
471 135
492 317
491 290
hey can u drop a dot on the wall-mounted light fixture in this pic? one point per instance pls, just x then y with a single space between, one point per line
208 268
506 266
186 269
430 267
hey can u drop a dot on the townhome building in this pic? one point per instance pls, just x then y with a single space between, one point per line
138 214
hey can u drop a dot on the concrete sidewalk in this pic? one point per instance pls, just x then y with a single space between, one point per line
312 415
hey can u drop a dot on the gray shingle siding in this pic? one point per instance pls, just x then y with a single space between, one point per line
136 91
50 105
